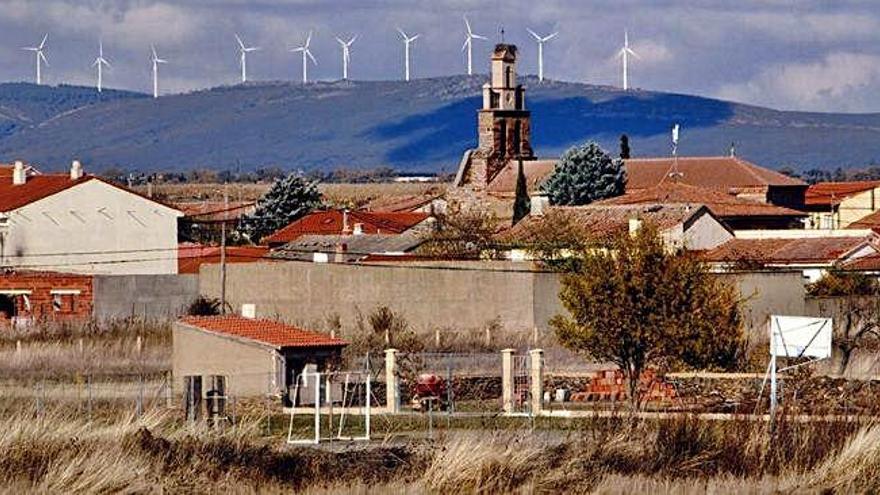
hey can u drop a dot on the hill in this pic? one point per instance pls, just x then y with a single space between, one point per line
424 125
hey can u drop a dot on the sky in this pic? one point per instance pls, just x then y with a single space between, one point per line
786 54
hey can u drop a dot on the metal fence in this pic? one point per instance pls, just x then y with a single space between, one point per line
450 383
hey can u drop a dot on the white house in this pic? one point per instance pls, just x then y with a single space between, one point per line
82 223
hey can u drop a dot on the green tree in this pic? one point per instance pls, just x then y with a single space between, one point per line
289 199
624 147
634 303
521 205
585 174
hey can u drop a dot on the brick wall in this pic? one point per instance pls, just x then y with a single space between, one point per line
46 295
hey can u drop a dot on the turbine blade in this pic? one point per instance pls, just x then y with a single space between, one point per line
352 40
467 41
534 34
340 41
550 37
634 54
478 37
308 39
467 25
415 37
311 57
153 48
40 54
43 43
402 33
299 49
238 39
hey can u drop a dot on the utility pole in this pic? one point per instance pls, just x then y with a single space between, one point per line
223 249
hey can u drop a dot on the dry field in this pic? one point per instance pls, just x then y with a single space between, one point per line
352 195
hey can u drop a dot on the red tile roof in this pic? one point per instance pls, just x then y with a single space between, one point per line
330 222
42 186
871 221
190 257
831 193
215 211
869 263
264 331
722 204
772 251
536 171
723 173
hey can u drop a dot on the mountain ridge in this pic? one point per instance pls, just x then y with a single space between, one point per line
421 126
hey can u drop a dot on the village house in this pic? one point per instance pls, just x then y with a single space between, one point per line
257 355
191 256
26 296
840 205
80 223
350 223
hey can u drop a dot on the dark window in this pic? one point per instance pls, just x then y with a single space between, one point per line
502 137
494 100
63 303
517 131
507 80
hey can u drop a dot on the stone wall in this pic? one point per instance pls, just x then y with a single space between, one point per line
144 296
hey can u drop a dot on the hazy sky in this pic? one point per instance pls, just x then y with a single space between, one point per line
789 54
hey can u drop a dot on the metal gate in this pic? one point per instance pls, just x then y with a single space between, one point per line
522 386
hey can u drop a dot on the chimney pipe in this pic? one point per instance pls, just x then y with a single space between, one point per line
346 229
634 226
76 170
358 229
18 175
538 205
341 249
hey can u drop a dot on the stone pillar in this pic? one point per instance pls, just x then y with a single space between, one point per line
536 380
392 388
507 380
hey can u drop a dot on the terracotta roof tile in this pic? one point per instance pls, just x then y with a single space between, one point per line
828 193
803 250
722 204
722 173
190 257
330 222
869 263
265 331
536 171
871 221
207 211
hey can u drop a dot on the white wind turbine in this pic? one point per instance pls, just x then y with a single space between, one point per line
469 45
346 54
306 54
38 53
541 41
100 63
156 61
624 54
244 50
407 40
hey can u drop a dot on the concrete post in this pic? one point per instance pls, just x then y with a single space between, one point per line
392 388
536 379
507 380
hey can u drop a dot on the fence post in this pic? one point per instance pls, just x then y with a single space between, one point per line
169 389
392 388
536 380
507 380
89 395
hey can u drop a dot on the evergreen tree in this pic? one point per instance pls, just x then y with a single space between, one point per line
585 174
624 147
521 205
289 199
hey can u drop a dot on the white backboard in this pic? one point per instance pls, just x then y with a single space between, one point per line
800 336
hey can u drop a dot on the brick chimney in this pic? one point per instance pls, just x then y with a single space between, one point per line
19 176
346 228
76 170
358 229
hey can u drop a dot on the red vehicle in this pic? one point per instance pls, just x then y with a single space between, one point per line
429 392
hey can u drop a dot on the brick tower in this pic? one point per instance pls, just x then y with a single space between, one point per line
503 124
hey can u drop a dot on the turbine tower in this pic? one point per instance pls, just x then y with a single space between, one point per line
469 45
244 50
541 41
346 55
306 55
624 54
407 40
41 58
156 61
100 63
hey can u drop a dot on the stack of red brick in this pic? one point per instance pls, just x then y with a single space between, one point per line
609 385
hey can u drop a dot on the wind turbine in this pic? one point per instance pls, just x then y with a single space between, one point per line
100 63
469 44
541 41
624 54
346 54
407 40
38 53
306 54
156 61
244 50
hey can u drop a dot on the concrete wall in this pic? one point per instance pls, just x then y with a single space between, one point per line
147 296
96 228
434 297
466 295
249 367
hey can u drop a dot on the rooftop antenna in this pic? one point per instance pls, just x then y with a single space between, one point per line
469 45
732 149
346 55
306 55
156 61
541 40
673 170
407 40
624 54
40 56
100 63
244 50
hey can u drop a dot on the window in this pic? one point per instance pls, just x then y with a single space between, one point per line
64 300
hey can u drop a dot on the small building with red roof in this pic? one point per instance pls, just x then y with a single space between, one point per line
345 222
258 356
840 205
